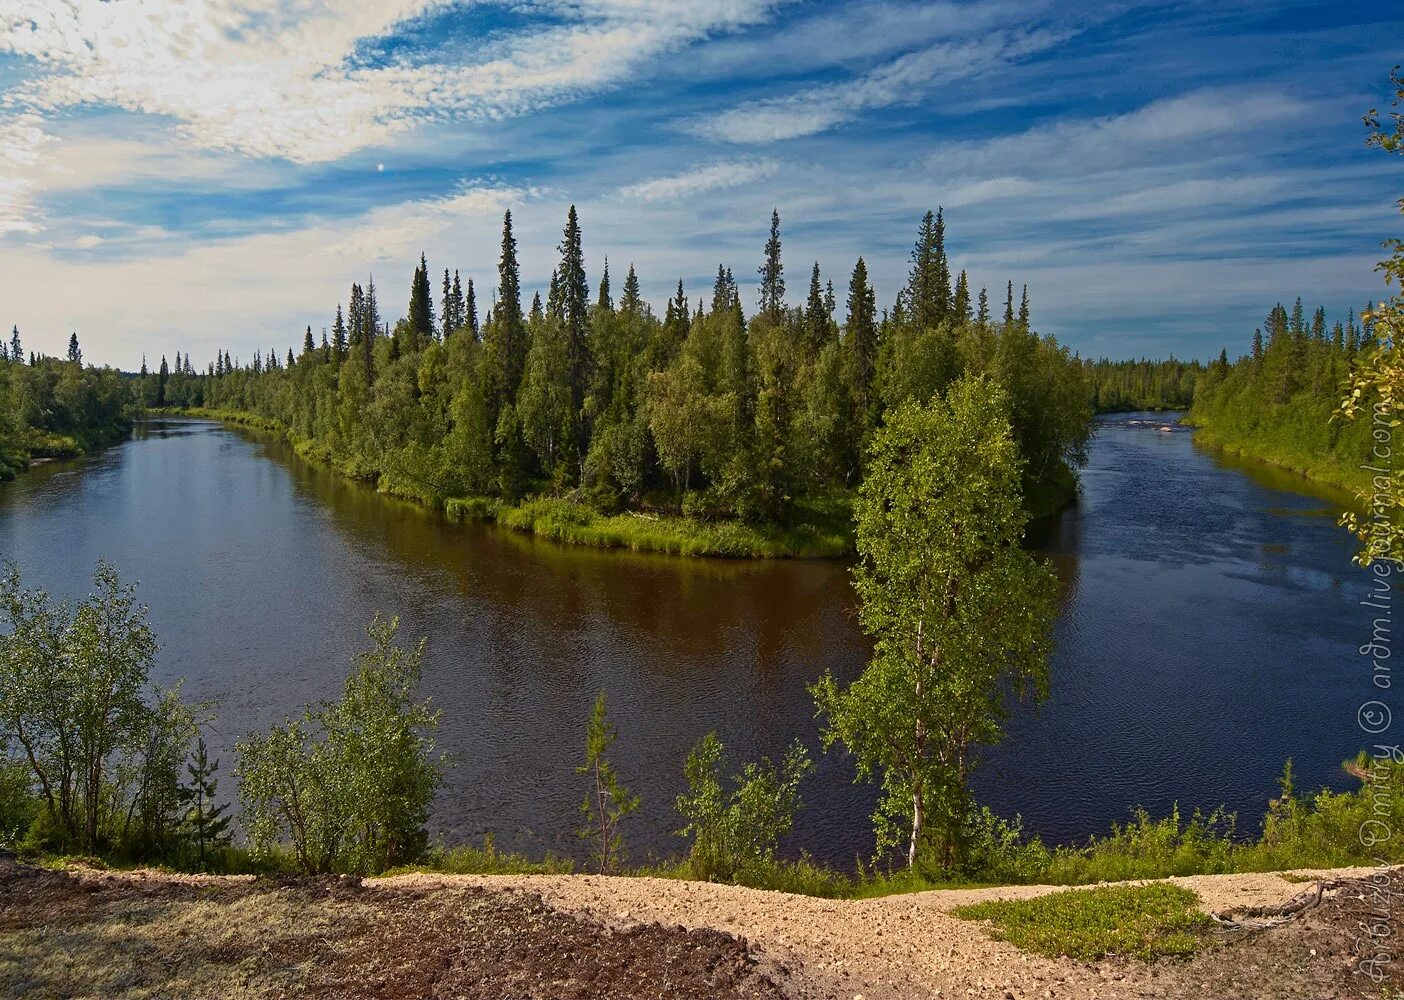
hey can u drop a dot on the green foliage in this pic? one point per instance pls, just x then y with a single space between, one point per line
1142 922
205 820
58 409
348 785
725 420
103 749
485 860
735 832
608 802
1124 386
959 612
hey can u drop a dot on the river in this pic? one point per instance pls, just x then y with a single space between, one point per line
1207 632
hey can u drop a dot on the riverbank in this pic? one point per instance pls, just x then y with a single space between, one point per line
823 529
126 935
1327 471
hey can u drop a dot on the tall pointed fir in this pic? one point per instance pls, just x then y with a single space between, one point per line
75 354
1009 304
308 344
421 308
772 274
605 301
631 302
575 303
816 314
16 348
960 307
1024 309
370 322
982 314
860 338
929 282
338 342
508 312
470 308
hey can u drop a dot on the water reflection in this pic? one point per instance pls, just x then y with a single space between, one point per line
1205 634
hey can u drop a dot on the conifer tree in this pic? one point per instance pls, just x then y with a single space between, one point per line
632 302
290 353
308 345
861 336
74 354
1009 305
326 346
205 821
448 321
929 283
605 300
982 315
816 317
470 309
1024 309
575 306
1258 344
421 308
960 307
370 321
830 304
508 312
339 336
772 274
608 802
723 290
16 349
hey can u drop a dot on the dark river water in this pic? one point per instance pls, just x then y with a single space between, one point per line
1208 632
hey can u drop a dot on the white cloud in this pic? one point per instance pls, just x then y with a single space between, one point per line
1087 146
713 177
906 79
278 78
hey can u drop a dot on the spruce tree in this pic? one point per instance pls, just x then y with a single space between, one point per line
723 290
575 303
370 321
206 824
632 302
1024 309
421 308
860 335
960 307
74 354
470 309
772 274
1009 305
16 349
816 317
308 345
448 322
339 336
290 353
1258 344
929 282
508 312
605 302
982 315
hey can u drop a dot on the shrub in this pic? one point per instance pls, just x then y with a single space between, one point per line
735 833
349 784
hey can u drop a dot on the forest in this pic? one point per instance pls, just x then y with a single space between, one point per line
57 408
1125 386
1276 403
594 402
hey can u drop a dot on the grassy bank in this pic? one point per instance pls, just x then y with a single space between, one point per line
823 528
1325 469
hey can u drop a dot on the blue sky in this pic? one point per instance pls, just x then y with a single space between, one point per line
215 173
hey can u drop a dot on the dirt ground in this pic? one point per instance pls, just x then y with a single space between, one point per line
83 933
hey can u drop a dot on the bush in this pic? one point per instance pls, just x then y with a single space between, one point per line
735 833
348 785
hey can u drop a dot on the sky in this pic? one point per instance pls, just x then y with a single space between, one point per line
214 174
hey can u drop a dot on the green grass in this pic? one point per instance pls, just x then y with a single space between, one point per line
1143 922
485 860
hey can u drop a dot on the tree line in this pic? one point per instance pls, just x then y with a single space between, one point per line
1124 386
56 407
1278 401
591 394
